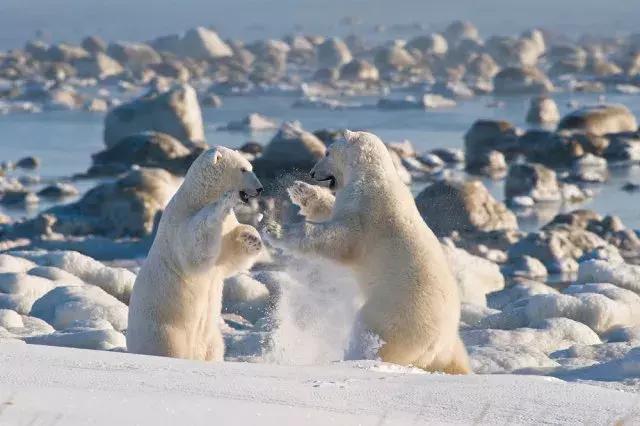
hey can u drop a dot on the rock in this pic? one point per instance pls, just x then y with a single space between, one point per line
175 112
63 99
96 105
489 163
147 149
431 44
483 66
485 136
476 277
522 288
427 101
543 110
551 148
94 44
28 163
201 43
63 306
19 197
558 248
58 190
449 206
600 120
456 90
333 53
292 148
521 80
393 58
525 267
359 70
604 271
135 56
65 53
623 147
251 123
82 338
253 148
211 100
532 180
458 31
631 187
450 155
511 51
126 207
589 168
99 66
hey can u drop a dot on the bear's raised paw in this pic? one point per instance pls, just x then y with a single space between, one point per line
250 241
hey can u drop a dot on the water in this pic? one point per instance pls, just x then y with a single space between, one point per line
64 141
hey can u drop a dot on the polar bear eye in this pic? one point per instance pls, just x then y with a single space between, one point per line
244 170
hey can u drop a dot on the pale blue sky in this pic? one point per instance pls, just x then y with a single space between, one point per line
143 19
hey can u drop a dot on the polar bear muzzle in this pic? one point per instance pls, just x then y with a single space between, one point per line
251 186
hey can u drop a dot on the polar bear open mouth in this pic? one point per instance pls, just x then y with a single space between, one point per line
331 179
244 197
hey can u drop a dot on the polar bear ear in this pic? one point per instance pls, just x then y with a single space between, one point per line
217 156
349 135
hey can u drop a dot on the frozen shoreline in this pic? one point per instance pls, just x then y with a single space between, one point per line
71 386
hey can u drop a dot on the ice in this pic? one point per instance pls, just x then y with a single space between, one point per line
601 271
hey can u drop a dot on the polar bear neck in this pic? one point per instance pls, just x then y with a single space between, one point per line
203 185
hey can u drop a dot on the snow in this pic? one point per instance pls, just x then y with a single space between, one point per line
78 387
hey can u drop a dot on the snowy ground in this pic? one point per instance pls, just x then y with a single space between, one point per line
62 386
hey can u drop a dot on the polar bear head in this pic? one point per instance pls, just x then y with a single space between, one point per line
217 171
352 155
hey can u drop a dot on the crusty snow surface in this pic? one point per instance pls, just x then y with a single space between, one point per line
42 385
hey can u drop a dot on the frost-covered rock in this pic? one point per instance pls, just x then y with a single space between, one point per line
118 282
359 70
485 136
526 267
202 43
99 66
522 289
604 271
135 56
81 338
64 306
10 263
476 277
175 112
19 290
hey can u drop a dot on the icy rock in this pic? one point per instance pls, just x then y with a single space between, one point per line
605 271
63 306
99 66
10 319
472 314
522 289
19 291
526 267
135 56
58 190
118 282
105 340
333 53
10 263
485 136
521 80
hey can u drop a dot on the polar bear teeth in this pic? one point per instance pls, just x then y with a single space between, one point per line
244 197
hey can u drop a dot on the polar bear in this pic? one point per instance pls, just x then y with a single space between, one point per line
176 300
411 297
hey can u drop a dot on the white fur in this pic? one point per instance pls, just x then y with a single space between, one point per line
411 296
176 300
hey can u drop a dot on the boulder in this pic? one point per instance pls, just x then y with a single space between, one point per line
94 44
292 148
543 110
135 56
202 43
175 112
458 31
532 180
99 66
147 149
333 53
521 80
359 70
485 136
600 120
430 44
126 207
393 58
251 123
623 147
449 206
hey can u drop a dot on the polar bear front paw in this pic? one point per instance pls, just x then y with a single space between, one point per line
301 193
250 241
